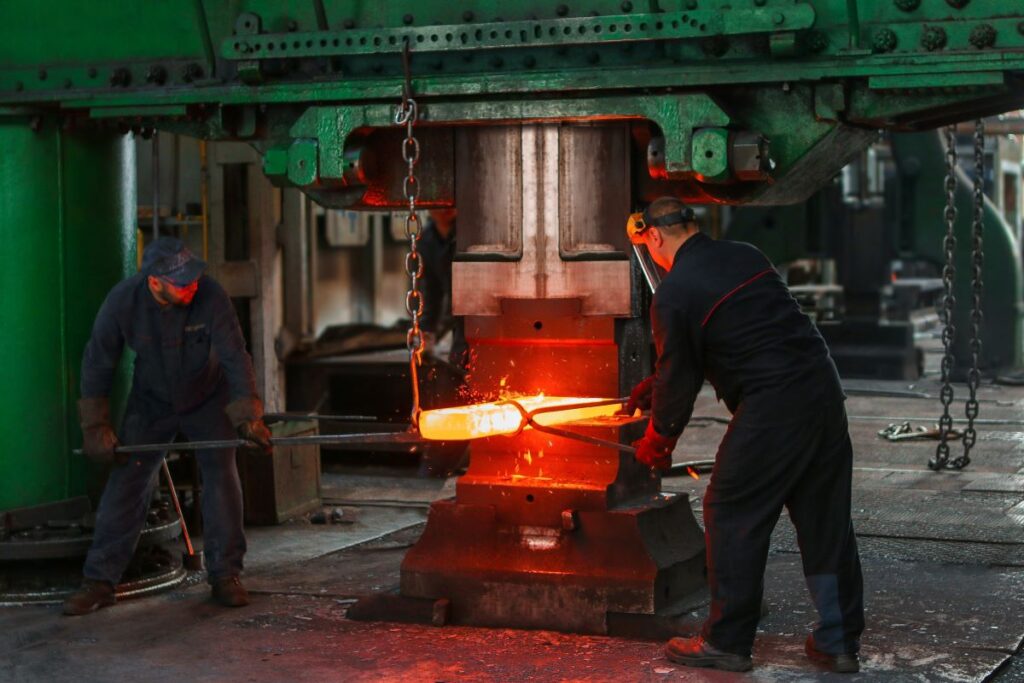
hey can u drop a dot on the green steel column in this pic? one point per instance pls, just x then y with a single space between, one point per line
921 159
67 234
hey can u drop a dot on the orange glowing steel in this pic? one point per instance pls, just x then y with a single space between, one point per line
493 419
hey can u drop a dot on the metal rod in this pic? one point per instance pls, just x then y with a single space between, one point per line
177 507
647 267
311 440
298 417
586 438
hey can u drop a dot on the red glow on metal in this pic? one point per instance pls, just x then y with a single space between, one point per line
503 418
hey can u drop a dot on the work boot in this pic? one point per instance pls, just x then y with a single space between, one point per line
230 592
840 664
92 596
699 652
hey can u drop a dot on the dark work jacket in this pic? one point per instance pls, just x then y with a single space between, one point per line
723 313
185 356
437 253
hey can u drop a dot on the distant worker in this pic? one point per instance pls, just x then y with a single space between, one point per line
723 313
192 376
437 247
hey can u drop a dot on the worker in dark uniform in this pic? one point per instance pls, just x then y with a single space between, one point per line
193 377
437 249
723 313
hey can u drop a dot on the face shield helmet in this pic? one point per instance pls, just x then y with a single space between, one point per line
637 226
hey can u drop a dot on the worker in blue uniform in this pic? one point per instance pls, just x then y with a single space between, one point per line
722 313
192 377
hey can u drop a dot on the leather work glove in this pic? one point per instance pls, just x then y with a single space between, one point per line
655 450
98 437
246 415
640 397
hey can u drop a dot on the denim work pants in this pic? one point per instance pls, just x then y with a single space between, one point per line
125 501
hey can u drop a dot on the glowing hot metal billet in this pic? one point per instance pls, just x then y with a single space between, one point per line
505 417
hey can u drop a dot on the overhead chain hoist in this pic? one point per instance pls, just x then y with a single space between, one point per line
969 436
406 115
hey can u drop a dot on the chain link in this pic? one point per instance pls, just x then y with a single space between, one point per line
406 115
977 287
941 459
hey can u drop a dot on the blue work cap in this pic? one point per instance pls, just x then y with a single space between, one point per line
169 258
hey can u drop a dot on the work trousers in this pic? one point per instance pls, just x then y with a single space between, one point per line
768 460
125 501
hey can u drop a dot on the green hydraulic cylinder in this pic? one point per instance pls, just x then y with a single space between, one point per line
67 235
921 158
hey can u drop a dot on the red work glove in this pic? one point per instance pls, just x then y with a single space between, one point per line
655 450
98 437
257 433
246 415
640 397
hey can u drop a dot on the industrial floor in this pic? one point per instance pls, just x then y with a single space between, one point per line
943 557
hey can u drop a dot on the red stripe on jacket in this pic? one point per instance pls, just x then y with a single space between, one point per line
736 289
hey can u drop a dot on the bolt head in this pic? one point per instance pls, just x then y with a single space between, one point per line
933 38
562 10
908 5
468 15
627 6
983 36
884 41
408 19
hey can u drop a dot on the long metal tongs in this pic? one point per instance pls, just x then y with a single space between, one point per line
310 440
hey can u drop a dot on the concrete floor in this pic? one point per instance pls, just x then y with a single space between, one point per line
943 557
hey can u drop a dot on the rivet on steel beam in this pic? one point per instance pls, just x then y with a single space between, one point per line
293 26
908 5
156 74
759 3
983 36
885 40
42 74
933 38
627 6
562 10
348 23
778 18
958 4
408 19
691 4
468 15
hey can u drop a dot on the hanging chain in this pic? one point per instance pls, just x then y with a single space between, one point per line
406 115
977 261
941 458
